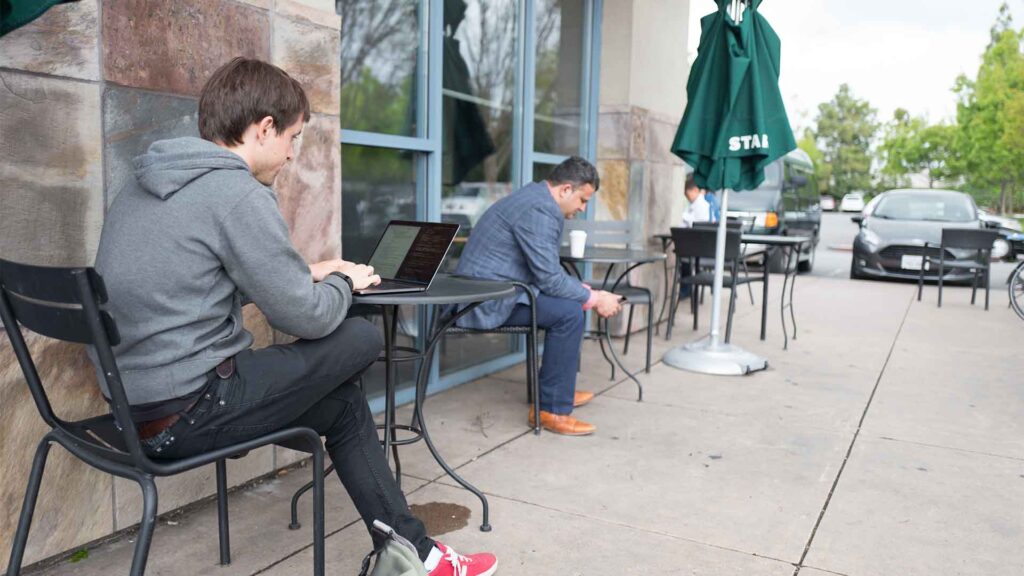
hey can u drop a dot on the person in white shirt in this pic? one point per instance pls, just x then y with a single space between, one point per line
699 209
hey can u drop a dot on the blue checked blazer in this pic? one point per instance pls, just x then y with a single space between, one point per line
518 239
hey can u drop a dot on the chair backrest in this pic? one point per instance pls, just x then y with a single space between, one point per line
730 224
604 232
64 304
968 238
699 242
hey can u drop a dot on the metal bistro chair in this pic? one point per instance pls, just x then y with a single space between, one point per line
617 233
731 224
65 304
698 243
964 239
531 332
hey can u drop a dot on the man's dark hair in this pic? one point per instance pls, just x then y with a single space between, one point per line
690 183
575 171
243 92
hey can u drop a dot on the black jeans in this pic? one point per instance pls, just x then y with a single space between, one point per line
308 383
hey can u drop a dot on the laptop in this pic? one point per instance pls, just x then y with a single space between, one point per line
408 255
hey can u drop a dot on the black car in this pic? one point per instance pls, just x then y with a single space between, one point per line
891 240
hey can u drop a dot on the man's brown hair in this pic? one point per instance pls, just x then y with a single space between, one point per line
690 183
245 91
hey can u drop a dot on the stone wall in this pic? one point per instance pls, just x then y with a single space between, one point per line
83 90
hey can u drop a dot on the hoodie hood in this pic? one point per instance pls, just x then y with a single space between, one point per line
170 165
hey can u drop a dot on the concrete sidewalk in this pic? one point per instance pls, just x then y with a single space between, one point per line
889 439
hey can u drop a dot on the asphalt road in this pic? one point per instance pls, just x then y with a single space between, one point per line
832 259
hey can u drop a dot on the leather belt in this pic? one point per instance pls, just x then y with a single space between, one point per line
151 428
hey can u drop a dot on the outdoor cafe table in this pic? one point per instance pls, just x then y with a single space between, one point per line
631 258
444 292
790 246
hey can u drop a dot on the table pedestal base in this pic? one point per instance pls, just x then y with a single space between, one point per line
720 360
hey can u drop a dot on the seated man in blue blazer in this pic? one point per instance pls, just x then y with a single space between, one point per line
518 239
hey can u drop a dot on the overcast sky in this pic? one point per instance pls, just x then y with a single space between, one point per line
894 53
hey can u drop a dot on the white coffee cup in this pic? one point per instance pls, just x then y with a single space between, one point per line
577 243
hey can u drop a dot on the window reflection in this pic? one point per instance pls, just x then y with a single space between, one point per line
559 76
378 65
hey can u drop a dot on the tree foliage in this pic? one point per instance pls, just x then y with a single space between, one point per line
911 146
846 128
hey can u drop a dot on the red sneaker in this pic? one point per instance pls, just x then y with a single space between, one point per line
454 564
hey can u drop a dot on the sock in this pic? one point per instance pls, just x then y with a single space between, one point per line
433 559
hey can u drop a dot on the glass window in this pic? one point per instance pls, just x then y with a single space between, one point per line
378 65
541 171
559 76
479 63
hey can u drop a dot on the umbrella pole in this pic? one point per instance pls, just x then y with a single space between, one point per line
716 290
709 355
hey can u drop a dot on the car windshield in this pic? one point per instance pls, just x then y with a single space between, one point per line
763 197
924 206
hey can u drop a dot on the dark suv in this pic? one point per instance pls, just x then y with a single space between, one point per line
786 203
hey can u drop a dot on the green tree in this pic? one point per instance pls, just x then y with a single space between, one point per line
845 130
912 146
822 170
990 114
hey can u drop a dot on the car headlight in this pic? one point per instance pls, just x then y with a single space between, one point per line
1000 248
869 238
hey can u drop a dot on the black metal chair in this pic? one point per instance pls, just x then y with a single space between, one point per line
618 233
695 244
531 332
732 224
65 304
980 241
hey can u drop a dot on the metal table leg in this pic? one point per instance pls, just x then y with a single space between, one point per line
789 282
664 300
764 291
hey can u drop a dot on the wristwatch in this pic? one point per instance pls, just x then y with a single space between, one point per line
345 278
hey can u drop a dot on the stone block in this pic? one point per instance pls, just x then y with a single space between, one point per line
613 136
664 197
660 135
51 209
134 119
638 134
62 42
74 502
613 198
312 55
320 12
309 191
175 46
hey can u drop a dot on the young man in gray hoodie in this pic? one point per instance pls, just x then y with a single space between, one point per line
198 235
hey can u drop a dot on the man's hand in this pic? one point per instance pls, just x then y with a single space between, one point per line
320 270
362 276
607 304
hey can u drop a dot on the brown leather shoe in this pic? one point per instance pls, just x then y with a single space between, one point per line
581 397
563 424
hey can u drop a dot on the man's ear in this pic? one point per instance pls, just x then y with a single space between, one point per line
264 127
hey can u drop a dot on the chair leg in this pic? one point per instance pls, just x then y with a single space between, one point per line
750 287
222 513
145 535
942 270
920 279
974 287
28 507
318 509
694 305
532 378
650 335
673 304
988 281
629 330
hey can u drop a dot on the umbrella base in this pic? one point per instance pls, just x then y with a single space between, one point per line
720 360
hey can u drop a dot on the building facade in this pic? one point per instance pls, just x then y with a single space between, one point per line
424 109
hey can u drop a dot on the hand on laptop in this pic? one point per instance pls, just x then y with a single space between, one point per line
607 304
362 275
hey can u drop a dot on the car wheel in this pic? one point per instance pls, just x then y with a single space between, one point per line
808 265
855 273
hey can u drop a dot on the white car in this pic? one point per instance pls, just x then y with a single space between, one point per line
852 202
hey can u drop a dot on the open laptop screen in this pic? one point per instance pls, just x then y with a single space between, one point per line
412 251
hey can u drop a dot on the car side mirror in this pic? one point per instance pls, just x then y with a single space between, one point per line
990 224
858 219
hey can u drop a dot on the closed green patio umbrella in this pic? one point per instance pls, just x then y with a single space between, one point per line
17 13
734 125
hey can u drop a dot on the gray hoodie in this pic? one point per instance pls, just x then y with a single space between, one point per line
178 253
